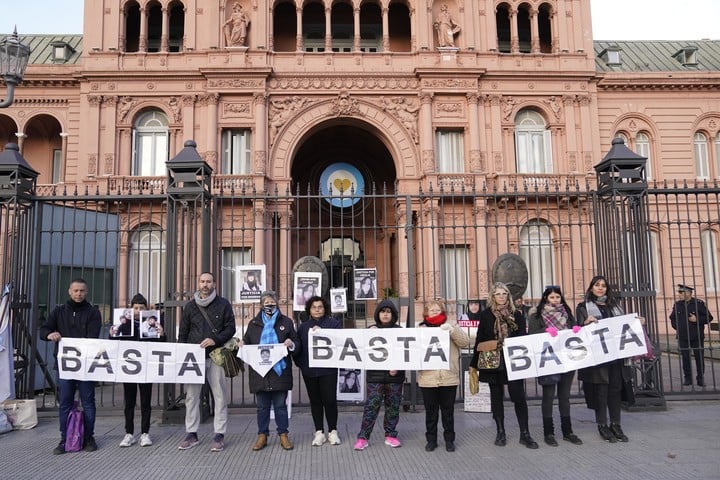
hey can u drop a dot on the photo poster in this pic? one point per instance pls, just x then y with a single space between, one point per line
123 324
250 282
151 324
351 385
338 300
365 283
305 285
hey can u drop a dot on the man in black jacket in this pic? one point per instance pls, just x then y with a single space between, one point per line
77 318
689 317
207 319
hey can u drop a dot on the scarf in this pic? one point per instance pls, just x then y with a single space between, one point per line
594 310
504 322
555 316
269 337
204 302
436 321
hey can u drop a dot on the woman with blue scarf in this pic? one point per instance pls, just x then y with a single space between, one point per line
270 327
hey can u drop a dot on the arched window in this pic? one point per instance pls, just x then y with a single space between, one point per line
176 25
545 28
642 147
533 152
502 25
132 27
150 144
399 29
284 27
536 250
710 260
700 148
147 263
523 26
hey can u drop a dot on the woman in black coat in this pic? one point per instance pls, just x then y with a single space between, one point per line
499 321
271 327
603 383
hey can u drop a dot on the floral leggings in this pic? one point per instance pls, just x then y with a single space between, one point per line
378 393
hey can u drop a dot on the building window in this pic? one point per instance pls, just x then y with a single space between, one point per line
450 151
702 165
710 261
57 166
132 27
177 28
642 147
230 259
502 25
533 151
536 250
454 268
150 144
147 263
523 27
237 152
545 28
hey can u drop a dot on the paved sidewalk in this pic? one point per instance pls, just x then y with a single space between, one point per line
680 443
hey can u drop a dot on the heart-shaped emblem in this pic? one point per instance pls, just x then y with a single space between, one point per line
342 185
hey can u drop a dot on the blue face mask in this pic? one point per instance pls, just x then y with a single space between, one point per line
269 309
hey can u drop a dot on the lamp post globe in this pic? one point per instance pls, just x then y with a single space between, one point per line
14 57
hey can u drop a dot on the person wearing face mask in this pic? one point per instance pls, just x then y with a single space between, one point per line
552 315
320 382
499 321
603 383
271 327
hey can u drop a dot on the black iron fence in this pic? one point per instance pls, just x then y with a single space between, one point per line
442 242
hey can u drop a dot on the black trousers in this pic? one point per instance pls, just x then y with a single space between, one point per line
322 392
608 396
130 390
440 399
516 389
697 346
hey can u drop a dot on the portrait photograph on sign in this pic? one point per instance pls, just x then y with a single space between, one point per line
338 300
305 286
250 282
365 281
351 385
151 324
123 325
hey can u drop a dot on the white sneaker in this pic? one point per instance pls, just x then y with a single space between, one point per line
145 440
318 438
334 438
127 440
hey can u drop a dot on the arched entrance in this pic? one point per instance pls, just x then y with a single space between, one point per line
343 181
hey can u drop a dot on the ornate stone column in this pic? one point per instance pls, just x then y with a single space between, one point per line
165 33
385 30
514 37
328 30
534 32
143 30
356 29
474 133
426 136
298 28
260 138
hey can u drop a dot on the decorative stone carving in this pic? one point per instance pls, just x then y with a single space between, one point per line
508 105
236 27
174 104
281 110
555 106
445 27
260 162
428 161
109 163
344 105
405 112
124 106
92 164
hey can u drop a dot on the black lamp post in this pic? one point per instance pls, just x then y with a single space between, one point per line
14 57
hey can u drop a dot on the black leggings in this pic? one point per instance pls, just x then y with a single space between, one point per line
608 396
130 393
516 388
322 392
563 395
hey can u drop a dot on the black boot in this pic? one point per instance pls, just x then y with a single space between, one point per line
500 438
549 431
567 432
527 440
606 433
449 438
617 431
431 442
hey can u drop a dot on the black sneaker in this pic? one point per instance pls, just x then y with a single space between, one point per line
89 444
617 431
607 434
60 449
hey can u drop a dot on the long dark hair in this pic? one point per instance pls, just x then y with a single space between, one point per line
544 301
612 296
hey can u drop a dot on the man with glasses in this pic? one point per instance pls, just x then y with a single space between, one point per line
689 317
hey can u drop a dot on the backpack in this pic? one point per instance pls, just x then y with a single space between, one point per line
75 430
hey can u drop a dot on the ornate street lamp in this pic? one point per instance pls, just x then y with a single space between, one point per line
14 57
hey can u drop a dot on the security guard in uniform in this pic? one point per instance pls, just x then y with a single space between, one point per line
689 317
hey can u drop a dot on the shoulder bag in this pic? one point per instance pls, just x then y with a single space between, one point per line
225 356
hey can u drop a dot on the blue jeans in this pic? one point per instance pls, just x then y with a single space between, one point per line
67 389
277 400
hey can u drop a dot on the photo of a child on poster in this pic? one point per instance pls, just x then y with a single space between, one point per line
305 286
249 282
338 300
123 324
151 324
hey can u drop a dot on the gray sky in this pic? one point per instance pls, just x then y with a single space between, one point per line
612 19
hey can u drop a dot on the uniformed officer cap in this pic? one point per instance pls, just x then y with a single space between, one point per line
684 288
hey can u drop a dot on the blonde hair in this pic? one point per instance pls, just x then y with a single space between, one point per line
439 302
491 296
